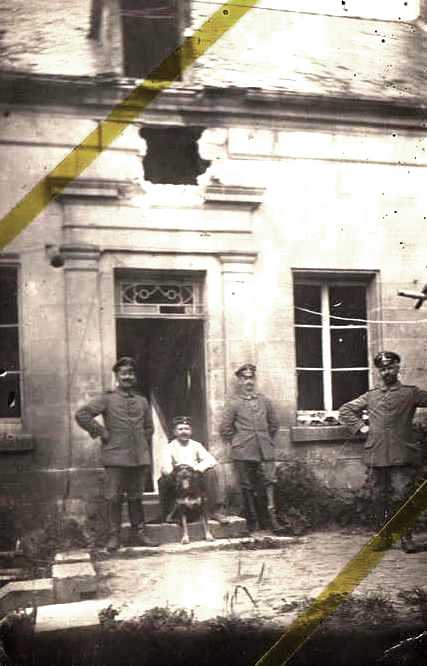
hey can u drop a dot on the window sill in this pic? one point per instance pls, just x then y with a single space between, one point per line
16 442
301 434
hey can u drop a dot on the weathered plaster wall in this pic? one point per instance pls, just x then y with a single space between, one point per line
59 331
329 203
334 198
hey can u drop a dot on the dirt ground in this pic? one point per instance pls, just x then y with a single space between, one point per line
271 585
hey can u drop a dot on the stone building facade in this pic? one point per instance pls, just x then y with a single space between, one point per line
265 208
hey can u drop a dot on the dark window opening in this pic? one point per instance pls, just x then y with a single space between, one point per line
10 372
151 32
172 155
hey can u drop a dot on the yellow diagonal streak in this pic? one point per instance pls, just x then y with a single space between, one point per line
344 583
82 156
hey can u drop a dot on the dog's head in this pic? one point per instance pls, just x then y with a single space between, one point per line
187 481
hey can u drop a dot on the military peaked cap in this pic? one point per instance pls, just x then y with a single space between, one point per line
182 420
124 361
247 367
386 358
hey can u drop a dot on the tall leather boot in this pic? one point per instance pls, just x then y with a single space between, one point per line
407 543
136 517
382 510
261 509
274 523
114 524
249 509
386 540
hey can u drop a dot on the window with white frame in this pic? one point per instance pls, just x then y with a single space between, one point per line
10 371
331 338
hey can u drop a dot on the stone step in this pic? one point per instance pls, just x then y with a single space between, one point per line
73 581
26 593
7 575
171 533
75 615
151 509
72 556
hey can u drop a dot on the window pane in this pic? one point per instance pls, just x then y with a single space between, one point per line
347 386
310 390
309 347
10 400
349 348
9 349
307 296
348 301
8 296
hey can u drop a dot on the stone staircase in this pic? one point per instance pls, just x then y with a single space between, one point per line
165 533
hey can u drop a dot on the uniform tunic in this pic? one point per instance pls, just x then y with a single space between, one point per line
391 410
127 418
249 424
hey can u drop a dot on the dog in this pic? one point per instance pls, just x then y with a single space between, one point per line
190 500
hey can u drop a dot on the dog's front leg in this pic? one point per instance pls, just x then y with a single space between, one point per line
208 534
185 535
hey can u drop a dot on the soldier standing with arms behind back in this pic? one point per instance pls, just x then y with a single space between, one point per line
125 438
390 453
248 427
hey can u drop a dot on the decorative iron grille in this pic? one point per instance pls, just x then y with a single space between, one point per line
145 298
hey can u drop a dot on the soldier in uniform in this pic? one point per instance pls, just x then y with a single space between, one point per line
125 436
248 427
390 453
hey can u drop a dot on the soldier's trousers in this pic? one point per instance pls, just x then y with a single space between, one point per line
129 480
390 487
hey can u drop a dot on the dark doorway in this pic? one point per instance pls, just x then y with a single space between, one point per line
170 365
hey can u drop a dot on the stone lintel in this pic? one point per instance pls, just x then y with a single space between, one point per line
234 195
91 189
8 256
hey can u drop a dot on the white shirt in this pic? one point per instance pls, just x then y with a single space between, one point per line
189 453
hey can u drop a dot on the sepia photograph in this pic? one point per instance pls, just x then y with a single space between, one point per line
213 333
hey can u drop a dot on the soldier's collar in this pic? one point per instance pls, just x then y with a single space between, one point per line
252 396
393 387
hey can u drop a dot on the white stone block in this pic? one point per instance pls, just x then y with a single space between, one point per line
72 581
70 616
72 556
26 593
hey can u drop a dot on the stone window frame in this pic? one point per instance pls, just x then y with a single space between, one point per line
370 280
12 437
11 421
